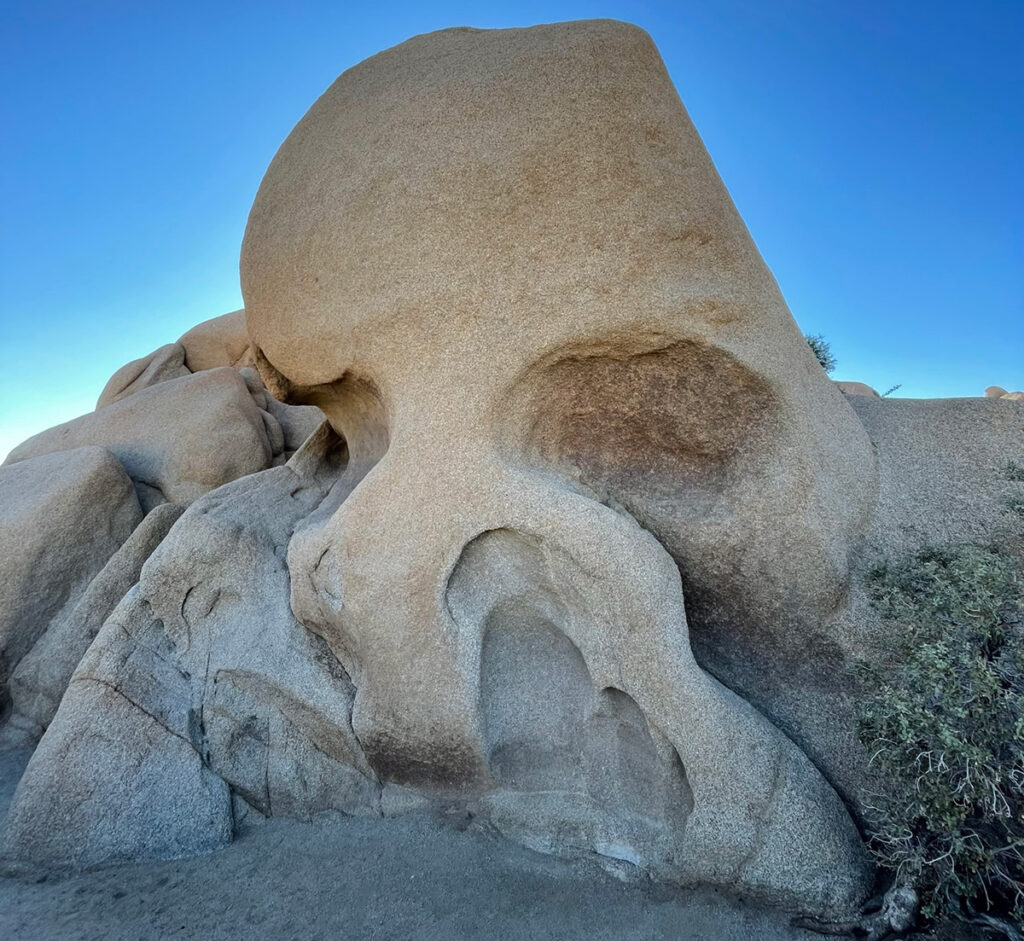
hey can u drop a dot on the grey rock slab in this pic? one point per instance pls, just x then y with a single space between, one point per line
62 516
942 469
117 767
41 678
200 682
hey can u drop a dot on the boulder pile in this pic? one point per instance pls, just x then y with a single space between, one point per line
515 488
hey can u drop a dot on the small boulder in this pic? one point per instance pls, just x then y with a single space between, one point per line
167 362
178 439
222 341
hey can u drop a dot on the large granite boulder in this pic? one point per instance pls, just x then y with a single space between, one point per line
550 302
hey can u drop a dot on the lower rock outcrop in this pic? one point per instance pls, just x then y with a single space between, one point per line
62 516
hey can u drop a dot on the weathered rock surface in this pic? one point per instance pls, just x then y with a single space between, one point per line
297 422
132 786
942 469
585 298
42 676
942 481
571 430
177 439
213 344
62 516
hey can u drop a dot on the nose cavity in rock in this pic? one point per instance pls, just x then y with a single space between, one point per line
600 732
567 756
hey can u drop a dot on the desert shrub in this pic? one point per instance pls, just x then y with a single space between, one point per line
943 718
821 348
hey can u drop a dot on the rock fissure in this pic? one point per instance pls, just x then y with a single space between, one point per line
156 719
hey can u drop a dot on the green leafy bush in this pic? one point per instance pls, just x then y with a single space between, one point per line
821 348
943 717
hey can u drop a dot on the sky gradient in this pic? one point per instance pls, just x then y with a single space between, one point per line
875 150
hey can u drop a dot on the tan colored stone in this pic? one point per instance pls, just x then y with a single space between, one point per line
222 341
297 422
549 301
1013 396
995 392
572 427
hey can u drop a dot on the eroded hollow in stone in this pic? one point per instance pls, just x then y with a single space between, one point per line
355 411
560 747
624 416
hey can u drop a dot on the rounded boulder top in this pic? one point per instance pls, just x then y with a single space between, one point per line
473 190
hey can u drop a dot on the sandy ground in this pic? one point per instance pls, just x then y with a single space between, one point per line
412 877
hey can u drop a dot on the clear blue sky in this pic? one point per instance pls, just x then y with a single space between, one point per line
875 149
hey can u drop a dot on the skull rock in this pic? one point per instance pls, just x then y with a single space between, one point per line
503 265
